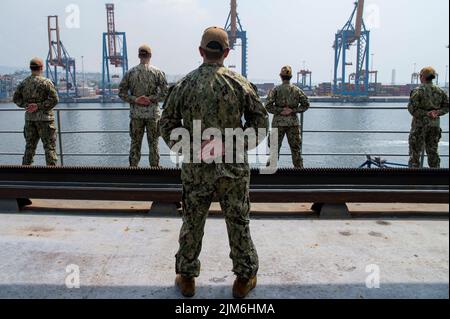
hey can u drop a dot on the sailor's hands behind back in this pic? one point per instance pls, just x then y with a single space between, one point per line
287 111
32 108
433 114
143 101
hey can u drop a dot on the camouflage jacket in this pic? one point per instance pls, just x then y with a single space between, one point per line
426 98
37 90
144 80
219 98
286 95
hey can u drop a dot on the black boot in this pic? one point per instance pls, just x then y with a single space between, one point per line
317 207
23 202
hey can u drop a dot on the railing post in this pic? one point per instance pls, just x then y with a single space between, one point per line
61 154
302 122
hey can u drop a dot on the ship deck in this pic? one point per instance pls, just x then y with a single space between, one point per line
123 252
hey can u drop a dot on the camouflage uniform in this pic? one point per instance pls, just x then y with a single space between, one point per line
144 80
288 95
426 132
219 98
41 124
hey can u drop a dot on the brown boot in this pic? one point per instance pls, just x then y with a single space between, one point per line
186 286
242 287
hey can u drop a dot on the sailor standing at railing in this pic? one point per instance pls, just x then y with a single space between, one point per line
38 96
286 101
144 87
427 105
215 98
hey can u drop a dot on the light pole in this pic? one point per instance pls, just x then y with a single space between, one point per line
84 75
446 77
373 54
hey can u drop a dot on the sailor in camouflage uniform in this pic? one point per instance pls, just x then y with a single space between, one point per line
144 87
38 96
286 102
427 105
220 99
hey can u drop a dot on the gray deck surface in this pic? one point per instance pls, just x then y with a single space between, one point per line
121 254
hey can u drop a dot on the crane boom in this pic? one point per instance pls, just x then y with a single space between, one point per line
112 41
54 42
354 33
359 18
233 22
236 32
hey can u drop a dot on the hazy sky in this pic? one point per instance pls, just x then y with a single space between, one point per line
280 32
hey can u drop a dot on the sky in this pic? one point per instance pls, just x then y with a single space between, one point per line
282 32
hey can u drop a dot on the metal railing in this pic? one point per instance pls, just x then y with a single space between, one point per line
61 133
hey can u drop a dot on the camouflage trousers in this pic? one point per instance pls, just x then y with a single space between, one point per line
137 132
35 131
425 138
234 200
295 142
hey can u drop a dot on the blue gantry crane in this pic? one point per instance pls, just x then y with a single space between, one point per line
353 34
58 59
6 86
235 31
115 52
304 80
3 91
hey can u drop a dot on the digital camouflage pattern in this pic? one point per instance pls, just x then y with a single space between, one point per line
219 98
295 141
137 132
288 95
46 131
425 131
37 90
144 80
198 192
39 125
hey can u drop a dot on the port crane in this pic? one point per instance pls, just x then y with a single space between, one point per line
59 59
304 79
115 53
353 34
235 31
6 86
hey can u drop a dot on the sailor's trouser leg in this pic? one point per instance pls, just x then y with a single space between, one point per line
432 137
31 135
47 132
416 146
137 131
196 203
294 139
234 200
153 135
281 135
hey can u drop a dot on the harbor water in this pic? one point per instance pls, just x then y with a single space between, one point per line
111 149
